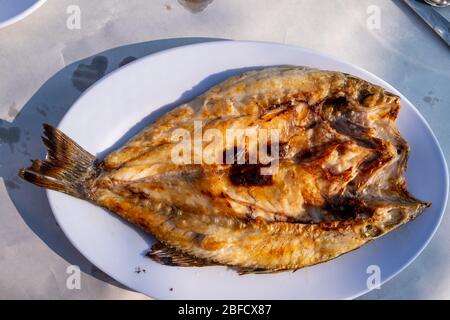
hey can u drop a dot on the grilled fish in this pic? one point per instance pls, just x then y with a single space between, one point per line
339 181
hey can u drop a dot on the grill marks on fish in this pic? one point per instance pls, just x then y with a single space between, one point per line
280 107
316 152
362 95
340 181
357 132
249 175
344 208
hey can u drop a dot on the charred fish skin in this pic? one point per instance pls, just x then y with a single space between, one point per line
339 184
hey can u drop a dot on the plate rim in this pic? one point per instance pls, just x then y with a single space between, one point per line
382 82
22 15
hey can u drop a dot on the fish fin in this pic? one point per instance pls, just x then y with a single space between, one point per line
249 270
172 257
66 168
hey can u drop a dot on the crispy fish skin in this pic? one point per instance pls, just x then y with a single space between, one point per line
340 181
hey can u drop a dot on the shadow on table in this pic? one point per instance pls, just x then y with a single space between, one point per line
20 139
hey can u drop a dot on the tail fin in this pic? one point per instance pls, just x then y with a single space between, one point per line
66 168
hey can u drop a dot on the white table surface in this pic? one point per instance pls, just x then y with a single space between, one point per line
38 83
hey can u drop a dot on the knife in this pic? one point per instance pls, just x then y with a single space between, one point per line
436 21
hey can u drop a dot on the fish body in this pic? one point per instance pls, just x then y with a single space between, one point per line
338 184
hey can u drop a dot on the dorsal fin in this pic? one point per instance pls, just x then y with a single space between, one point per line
172 257
248 270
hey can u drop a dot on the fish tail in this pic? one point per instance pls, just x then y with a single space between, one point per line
67 167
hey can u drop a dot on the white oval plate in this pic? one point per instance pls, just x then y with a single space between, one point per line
122 99
12 11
